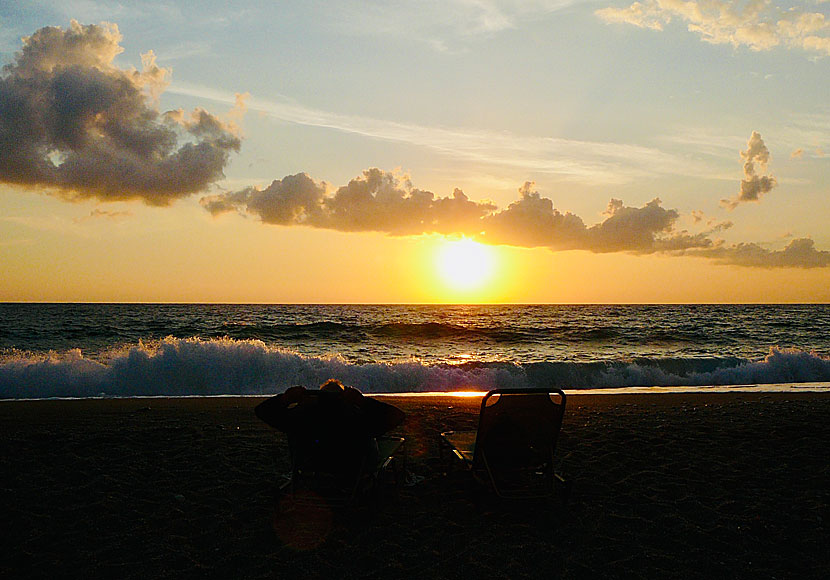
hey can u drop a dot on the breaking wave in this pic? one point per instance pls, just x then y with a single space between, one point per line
226 366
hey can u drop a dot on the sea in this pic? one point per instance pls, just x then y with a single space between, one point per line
132 350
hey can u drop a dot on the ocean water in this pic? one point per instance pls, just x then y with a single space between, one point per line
90 350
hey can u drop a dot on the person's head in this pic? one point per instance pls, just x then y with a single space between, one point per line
332 386
349 394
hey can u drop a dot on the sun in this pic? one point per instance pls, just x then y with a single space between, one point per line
465 265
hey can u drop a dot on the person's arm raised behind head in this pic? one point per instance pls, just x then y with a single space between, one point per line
282 411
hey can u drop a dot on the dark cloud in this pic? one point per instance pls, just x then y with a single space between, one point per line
383 201
73 123
643 230
533 221
292 200
699 217
799 253
753 186
378 201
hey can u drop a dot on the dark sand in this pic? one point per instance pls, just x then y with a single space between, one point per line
665 486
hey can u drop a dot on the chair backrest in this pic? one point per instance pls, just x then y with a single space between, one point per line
332 435
518 430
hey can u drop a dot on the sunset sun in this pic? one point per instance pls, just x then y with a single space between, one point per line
465 265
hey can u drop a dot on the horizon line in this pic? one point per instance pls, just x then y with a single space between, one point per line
244 303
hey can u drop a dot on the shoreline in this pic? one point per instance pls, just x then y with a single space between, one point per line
761 389
683 485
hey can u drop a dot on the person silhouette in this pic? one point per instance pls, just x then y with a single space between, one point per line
334 428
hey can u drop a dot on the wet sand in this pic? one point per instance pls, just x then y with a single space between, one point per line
664 486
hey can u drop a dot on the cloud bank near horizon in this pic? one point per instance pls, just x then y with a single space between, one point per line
79 127
386 202
757 25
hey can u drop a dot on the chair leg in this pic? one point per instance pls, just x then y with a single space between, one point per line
562 488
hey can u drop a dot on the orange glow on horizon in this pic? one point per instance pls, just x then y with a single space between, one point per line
459 394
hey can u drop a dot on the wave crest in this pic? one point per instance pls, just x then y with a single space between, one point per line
193 366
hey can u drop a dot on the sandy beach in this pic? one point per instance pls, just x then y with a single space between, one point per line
664 486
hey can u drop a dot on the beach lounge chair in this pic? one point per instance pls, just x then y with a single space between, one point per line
337 440
340 470
512 450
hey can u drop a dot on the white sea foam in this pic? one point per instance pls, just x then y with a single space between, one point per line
175 367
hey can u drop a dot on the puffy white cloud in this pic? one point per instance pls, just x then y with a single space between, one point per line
753 186
756 24
74 124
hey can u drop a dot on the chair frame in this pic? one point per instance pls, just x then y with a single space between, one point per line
388 448
475 457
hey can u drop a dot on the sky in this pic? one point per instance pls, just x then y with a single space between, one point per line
559 151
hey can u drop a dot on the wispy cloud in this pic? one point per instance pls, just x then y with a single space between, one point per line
92 10
187 49
798 136
589 161
16 242
705 140
50 224
98 214
97 10
757 24
443 25
809 131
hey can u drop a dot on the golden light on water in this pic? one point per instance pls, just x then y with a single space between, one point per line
465 265
459 394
